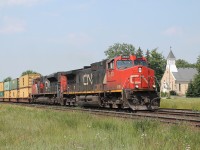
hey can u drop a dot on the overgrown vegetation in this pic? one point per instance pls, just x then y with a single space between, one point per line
31 128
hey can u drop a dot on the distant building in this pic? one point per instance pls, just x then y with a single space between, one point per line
176 79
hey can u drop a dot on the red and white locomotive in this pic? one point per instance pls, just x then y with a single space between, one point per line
121 82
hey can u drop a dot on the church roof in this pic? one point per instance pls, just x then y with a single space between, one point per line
171 55
185 74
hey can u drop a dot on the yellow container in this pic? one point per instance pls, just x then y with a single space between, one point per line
25 92
7 94
27 80
1 87
14 94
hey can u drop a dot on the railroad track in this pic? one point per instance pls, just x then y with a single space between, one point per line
163 115
180 112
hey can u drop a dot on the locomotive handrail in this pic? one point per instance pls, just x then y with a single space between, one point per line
157 82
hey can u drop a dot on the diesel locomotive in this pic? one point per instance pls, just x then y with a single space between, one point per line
121 82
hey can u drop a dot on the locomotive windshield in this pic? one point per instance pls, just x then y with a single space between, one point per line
140 62
123 64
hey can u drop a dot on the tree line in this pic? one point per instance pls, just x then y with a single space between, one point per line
23 73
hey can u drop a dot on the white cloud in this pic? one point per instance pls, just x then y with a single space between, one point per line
173 31
12 25
19 2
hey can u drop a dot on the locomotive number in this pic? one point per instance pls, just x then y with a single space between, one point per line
87 79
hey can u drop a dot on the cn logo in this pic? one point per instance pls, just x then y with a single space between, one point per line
87 79
133 78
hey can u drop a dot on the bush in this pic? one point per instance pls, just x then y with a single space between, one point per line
173 93
164 94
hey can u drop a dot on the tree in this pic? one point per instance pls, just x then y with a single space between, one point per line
29 72
157 63
194 86
139 53
197 79
198 64
7 79
119 49
180 63
147 55
190 91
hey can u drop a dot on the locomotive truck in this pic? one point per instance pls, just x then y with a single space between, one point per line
121 82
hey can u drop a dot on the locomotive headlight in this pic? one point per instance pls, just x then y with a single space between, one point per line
154 86
139 69
136 86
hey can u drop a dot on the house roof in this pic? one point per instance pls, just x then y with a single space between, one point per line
171 55
185 74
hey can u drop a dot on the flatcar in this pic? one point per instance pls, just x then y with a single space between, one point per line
121 82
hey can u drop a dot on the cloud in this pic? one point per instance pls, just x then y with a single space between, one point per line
12 25
173 31
19 2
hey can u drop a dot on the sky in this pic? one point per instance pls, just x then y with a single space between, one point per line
60 35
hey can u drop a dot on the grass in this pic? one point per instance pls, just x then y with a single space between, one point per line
24 128
181 103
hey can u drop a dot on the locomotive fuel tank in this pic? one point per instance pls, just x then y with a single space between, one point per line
88 101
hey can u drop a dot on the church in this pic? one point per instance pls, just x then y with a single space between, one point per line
176 79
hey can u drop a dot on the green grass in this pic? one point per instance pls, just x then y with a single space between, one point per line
181 103
24 128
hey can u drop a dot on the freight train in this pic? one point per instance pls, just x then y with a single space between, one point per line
121 82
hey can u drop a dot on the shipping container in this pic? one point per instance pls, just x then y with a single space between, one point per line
14 94
1 94
7 94
14 84
7 86
25 92
27 80
1 86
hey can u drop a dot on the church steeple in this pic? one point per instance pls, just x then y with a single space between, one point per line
171 55
171 62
